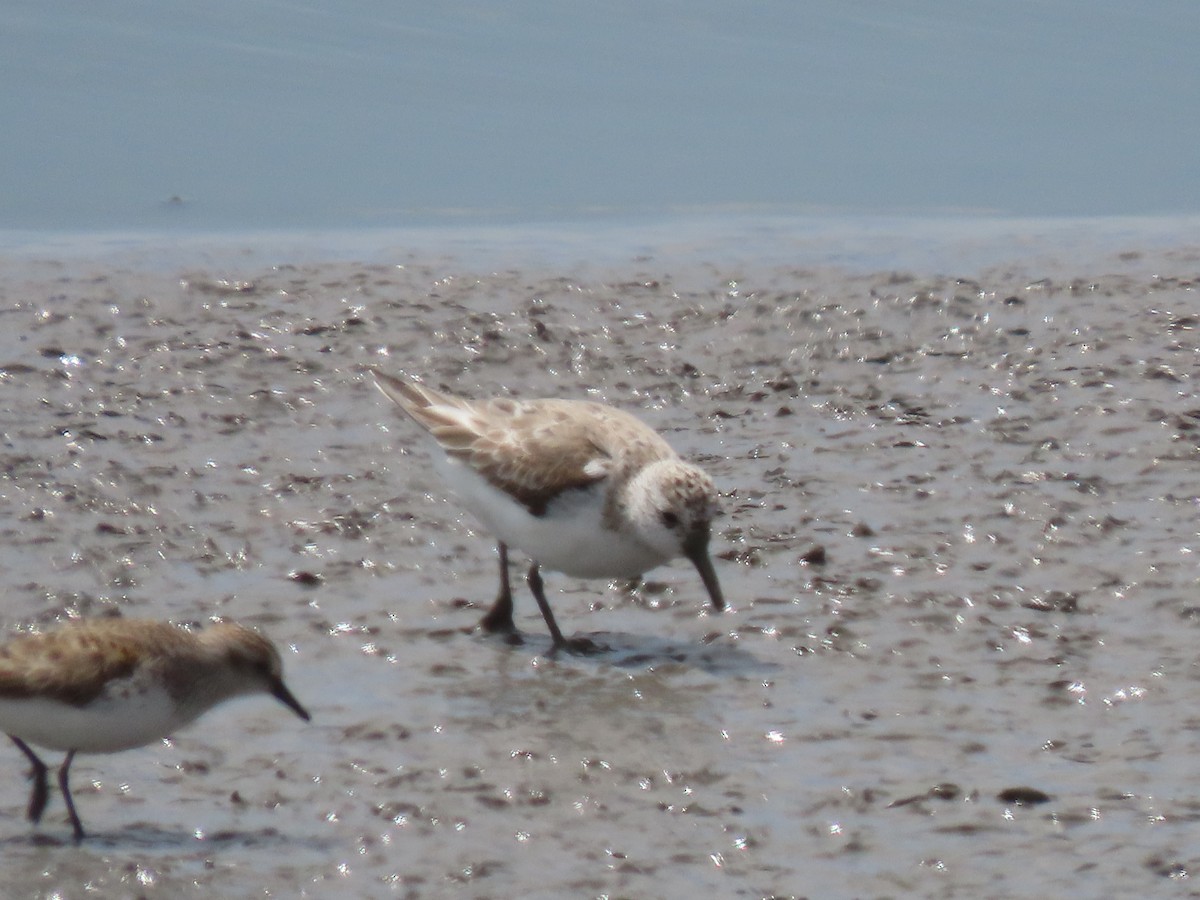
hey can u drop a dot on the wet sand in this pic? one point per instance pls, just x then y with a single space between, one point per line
960 543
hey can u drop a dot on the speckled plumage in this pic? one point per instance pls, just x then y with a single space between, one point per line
579 486
106 685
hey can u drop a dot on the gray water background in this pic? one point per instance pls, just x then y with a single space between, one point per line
234 115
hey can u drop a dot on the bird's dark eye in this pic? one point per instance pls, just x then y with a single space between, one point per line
670 519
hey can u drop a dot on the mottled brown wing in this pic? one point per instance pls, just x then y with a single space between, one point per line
537 449
532 450
73 663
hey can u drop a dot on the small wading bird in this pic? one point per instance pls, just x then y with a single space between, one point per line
104 685
579 487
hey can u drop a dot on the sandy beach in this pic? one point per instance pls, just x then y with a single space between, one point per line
959 544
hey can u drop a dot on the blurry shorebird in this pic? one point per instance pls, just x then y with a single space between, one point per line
105 685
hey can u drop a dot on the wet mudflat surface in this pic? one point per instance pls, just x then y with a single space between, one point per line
960 545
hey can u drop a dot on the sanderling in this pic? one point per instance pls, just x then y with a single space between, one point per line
105 685
579 487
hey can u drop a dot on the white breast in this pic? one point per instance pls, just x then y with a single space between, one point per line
571 537
118 719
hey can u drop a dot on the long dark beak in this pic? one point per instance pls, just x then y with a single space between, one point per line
697 551
280 692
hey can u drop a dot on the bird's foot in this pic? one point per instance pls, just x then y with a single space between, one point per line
502 627
499 619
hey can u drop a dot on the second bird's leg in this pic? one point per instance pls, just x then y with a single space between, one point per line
539 594
40 792
64 784
580 645
500 616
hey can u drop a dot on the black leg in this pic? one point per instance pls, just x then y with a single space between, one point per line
64 785
580 645
535 585
500 616
41 791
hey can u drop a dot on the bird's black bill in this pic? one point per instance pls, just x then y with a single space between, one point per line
697 552
280 692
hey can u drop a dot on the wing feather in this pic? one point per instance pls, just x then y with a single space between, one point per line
531 449
74 662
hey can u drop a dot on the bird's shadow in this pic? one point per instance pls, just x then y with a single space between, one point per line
627 650
146 836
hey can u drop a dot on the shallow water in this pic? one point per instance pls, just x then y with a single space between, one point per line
292 114
997 463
